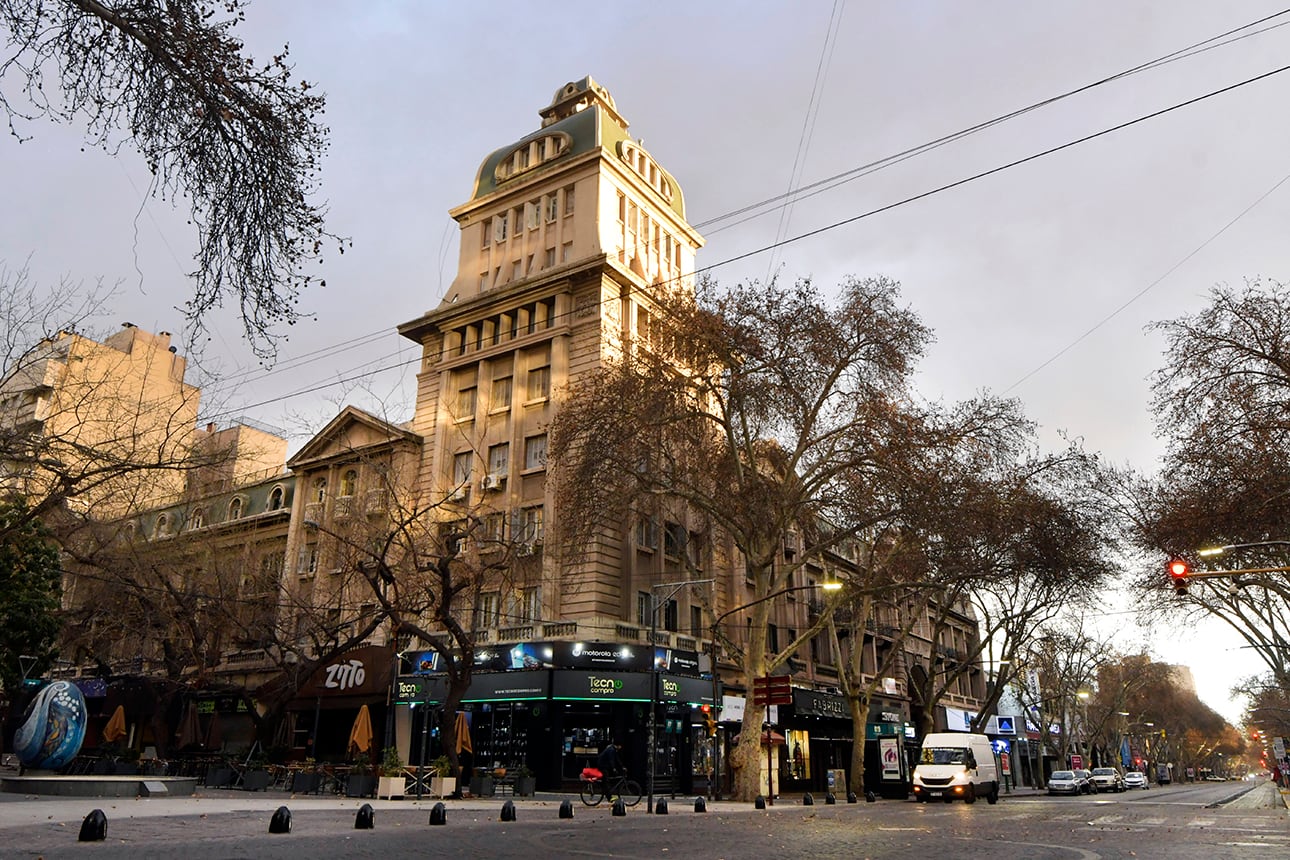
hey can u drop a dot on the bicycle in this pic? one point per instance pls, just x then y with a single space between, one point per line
596 787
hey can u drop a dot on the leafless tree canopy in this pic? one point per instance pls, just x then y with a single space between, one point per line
242 143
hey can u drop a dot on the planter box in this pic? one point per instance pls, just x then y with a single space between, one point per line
305 783
481 785
360 785
525 786
441 786
256 780
218 777
391 786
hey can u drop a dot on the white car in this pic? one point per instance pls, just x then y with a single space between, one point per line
1067 782
1135 779
1107 779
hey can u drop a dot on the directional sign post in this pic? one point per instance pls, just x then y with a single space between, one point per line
773 690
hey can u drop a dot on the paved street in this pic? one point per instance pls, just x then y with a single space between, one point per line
1173 822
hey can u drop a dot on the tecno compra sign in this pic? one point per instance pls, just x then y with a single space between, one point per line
602 686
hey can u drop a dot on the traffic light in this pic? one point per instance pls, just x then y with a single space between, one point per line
1179 570
709 721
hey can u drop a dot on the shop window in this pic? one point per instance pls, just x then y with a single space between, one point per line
799 754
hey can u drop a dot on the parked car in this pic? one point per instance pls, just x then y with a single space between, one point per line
1067 782
1135 779
1087 776
1107 779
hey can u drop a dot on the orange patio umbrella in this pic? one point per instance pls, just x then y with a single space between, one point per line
463 734
115 728
360 736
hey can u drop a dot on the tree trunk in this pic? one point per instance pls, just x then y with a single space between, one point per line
859 706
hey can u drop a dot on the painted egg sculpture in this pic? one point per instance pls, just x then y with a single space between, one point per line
52 729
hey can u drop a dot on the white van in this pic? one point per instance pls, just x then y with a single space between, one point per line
956 765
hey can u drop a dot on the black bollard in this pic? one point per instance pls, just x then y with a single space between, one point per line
620 808
760 802
94 827
851 797
830 799
808 800
700 805
660 806
281 821
566 809
439 813
508 810
363 820
870 797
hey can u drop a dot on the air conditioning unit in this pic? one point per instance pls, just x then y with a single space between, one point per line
459 494
494 482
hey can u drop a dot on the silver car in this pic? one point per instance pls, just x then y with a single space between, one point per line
1135 779
1067 782
1107 779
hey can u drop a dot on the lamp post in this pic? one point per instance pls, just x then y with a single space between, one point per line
827 585
652 734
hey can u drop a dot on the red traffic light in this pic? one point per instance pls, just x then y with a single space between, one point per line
1178 572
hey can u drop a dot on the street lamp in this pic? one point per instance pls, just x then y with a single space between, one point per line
652 742
828 585
1219 550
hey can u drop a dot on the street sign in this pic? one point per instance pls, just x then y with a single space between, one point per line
1077 762
773 690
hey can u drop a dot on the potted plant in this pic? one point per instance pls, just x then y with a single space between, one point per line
307 779
391 780
361 781
481 782
525 781
441 783
256 777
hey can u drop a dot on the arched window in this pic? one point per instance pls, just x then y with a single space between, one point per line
349 482
320 490
197 518
163 525
275 499
235 509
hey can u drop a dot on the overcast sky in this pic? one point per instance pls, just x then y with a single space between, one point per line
1009 270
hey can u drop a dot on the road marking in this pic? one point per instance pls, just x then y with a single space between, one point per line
1106 819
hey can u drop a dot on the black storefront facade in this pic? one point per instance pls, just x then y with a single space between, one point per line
553 706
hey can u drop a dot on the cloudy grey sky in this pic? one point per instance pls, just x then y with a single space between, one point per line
1009 270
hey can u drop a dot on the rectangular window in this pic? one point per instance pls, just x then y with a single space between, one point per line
529 270
622 207
500 225
647 533
483 281
548 259
486 611
696 622
539 382
307 563
534 529
461 464
501 396
499 459
552 207
566 252
533 214
495 527
643 608
568 200
517 270
676 255
674 540
484 230
670 620
667 247
631 217
531 604
772 638
535 452
466 403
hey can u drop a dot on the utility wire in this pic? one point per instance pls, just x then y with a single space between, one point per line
831 182
871 212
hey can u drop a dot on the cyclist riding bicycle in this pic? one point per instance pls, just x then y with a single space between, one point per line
610 762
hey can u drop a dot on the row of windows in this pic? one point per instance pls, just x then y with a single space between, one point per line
646 168
530 216
522 268
642 231
531 154
463 462
528 319
536 389
238 508
522 606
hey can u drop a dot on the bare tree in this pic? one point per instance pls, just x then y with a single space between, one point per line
244 144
